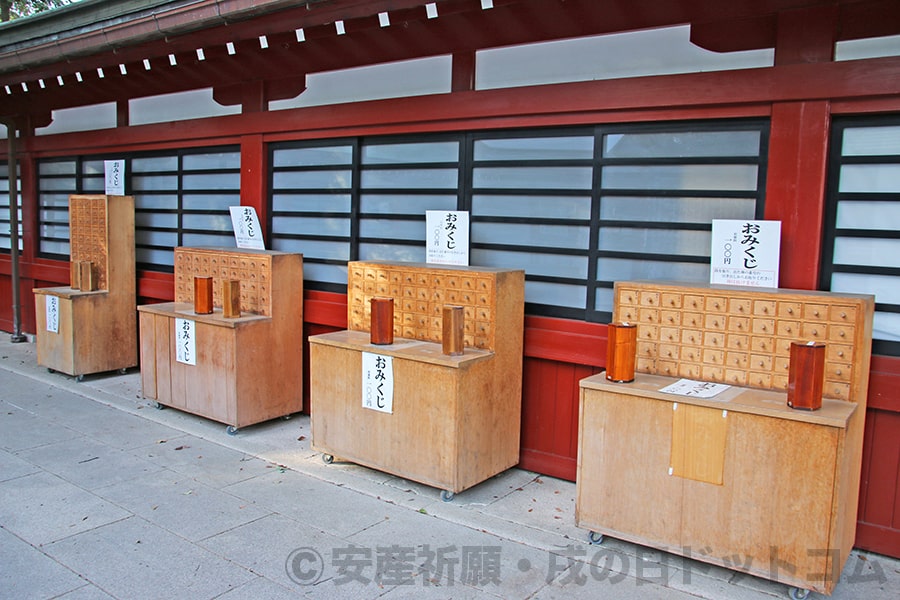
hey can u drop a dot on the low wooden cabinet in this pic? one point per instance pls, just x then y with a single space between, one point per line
740 480
248 369
456 419
94 319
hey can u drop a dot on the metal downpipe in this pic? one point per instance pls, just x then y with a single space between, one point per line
12 165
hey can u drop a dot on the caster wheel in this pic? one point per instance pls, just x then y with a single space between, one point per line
798 593
49 370
286 417
446 496
123 371
79 378
158 406
594 538
327 459
231 430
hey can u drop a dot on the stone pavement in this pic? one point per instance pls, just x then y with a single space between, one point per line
103 496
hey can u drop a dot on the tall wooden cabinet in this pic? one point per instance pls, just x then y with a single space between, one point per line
739 479
245 369
91 325
455 419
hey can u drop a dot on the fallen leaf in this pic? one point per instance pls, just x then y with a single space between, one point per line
301 438
182 447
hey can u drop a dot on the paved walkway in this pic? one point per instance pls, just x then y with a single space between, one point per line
103 496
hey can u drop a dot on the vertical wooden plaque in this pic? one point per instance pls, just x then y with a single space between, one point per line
453 330
381 330
75 275
231 298
203 295
806 375
621 351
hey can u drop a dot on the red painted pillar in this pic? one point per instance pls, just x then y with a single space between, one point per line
254 178
795 188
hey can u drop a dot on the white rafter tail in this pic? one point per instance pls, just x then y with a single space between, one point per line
384 19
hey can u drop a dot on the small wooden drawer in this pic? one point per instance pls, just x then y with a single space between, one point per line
668 351
764 326
760 379
645 365
689 370
737 360
815 312
839 352
715 321
627 297
670 300
740 306
739 324
669 334
628 313
647 349
716 304
789 329
692 320
648 315
764 308
838 371
841 333
782 365
836 389
760 362
692 337
665 367
710 373
649 299
843 314
691 354
813 331
692 302
648 332
790 310
714 339
737 342
714 357
735 377
670 317
762 344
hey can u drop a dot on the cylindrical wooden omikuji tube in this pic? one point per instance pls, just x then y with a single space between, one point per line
86 280
453 330
806 375
231 298
381 326
621 351
203 295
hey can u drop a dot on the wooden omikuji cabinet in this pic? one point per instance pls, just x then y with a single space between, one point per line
455 419
740 479
249 368
96 320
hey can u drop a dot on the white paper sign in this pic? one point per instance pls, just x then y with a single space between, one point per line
247 232
115 177
52 314
378 382
696 389
185 342
745 252
447 237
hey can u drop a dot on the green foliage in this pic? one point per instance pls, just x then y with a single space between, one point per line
14 9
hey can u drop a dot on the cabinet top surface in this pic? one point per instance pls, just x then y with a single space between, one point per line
418 350
834 413
185 310
433 266
235 251
67 292
738 289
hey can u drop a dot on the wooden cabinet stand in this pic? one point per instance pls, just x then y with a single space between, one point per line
96 325
740 480
247 369
456 419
